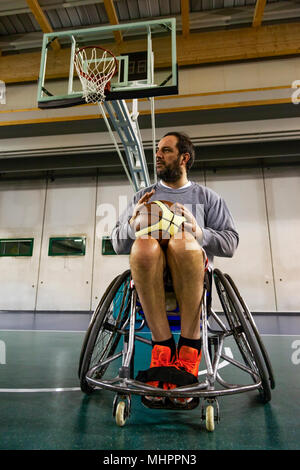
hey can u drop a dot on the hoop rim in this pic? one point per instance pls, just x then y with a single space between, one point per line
89 77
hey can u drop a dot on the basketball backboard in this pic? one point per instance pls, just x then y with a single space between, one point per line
145 53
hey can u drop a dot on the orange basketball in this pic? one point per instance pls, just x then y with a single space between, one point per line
158 220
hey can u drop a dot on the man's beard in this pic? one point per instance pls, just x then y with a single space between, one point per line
170 173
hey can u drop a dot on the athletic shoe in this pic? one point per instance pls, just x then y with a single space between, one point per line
161 357
188 360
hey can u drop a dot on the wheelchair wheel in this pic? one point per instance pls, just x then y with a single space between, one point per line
210 418
255 331
105 332
121 414
242 332
90 327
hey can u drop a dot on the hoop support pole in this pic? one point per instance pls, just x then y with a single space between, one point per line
115 143
153 137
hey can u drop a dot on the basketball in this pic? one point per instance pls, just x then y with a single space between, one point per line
159 220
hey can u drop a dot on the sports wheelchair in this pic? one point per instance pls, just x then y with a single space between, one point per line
119 316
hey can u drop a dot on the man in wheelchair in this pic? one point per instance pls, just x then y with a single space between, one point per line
209 231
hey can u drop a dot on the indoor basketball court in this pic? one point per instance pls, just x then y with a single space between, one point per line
87 90
43 407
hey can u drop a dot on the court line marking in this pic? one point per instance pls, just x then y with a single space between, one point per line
38 390
47 331
140 333
76 389
267 334
222 364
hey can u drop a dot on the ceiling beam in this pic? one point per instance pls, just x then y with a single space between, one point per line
113 18
185 17
42 21
259 13
198 48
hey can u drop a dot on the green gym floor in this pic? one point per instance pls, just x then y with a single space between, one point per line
43 408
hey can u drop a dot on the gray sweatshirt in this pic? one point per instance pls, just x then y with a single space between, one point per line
220 237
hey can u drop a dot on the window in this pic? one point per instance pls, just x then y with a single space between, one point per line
107 248
67 246
16 246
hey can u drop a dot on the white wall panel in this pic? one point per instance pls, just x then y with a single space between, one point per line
266 213
237 76
250 268
21 216
65 281
113 195
283 196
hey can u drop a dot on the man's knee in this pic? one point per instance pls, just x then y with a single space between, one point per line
184 246
145 251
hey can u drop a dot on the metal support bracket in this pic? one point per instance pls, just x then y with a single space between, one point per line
126 125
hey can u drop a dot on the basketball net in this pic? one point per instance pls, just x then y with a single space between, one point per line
95 67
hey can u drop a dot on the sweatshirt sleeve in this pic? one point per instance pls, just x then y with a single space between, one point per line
220 237
123 236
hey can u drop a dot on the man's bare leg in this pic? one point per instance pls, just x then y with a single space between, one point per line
147 262
185 259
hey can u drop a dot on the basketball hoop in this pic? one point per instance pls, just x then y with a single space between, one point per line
95 67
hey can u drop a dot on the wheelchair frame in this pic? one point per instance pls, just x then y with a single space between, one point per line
240 325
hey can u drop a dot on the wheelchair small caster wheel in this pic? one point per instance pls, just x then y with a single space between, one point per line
121 413
210 413
210 418
121 409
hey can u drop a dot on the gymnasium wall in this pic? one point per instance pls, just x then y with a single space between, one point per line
198 79
263 203
234 102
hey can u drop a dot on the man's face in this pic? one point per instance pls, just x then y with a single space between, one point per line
168 160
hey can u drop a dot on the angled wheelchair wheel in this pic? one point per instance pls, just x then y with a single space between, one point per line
210 418
242 332
121 413
104 334
255 331
90 327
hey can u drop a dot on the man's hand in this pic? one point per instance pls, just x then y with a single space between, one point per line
191 224
144 199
